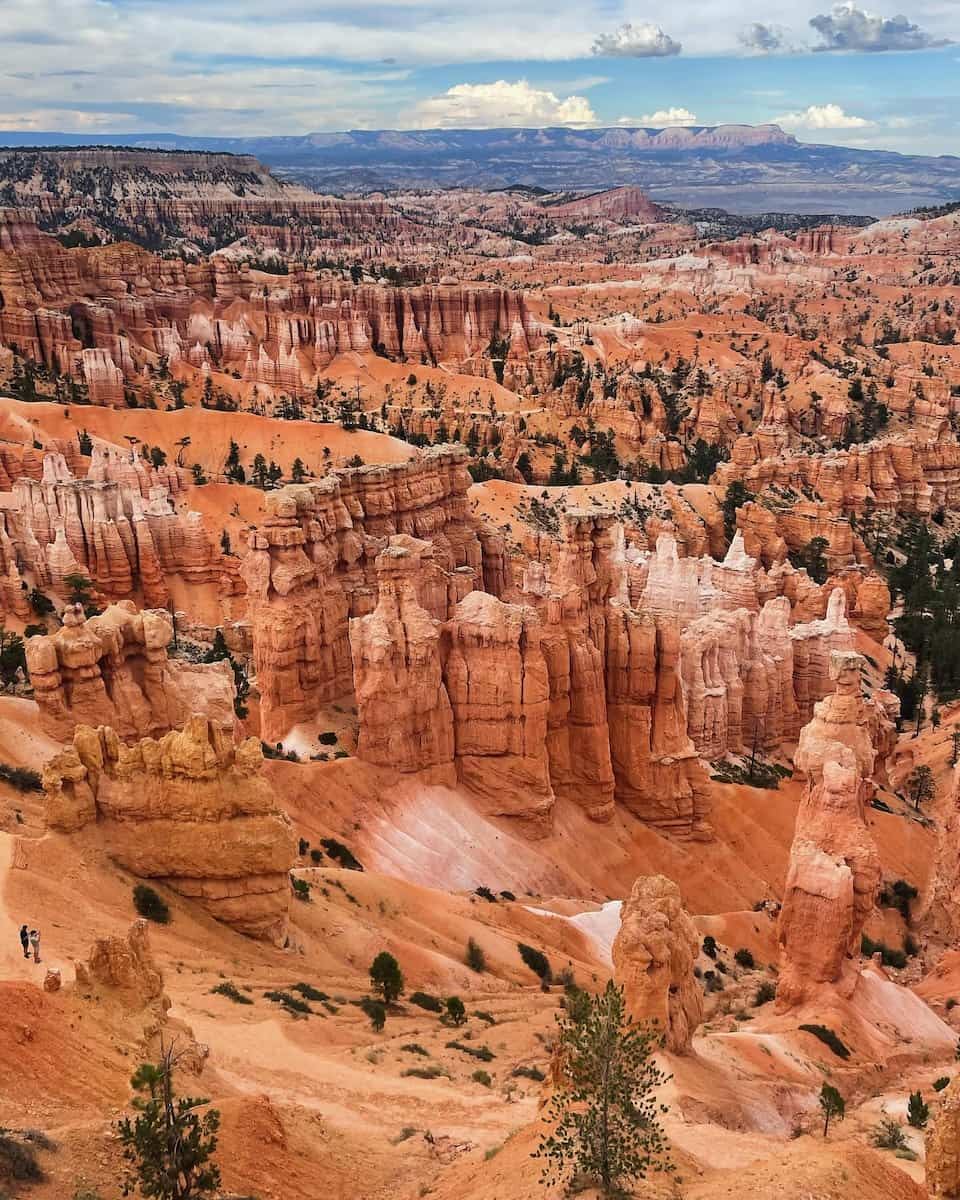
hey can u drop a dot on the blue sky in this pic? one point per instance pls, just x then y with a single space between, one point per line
842 73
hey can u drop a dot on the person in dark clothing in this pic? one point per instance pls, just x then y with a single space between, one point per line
25 941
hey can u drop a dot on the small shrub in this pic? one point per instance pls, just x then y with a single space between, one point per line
951 1003
710 946
316 856
340 854
482 1077
485 894
536 960
889 1135
766 992
456 1012
565 977
476 959
889 958
376 1010
426 1001
484 1053
507 896
743 958
327 738
18 1158
941 1083
302 847
293 1004
22 778
910 947
829 1038
533 1073
301 889
232 992
148 904
484 1016
434 1071
308 992
415 1048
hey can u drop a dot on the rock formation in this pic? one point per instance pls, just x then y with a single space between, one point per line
653 956
124 967
496 679
834 867
943 1147
114 667
191 810
404 711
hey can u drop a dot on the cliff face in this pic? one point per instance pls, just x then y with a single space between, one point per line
312 564
114 667
191 810
405 717
214 312
834 867
116 525
653 956
943 1147
496 678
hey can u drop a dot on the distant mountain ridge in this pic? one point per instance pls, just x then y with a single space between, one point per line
742 168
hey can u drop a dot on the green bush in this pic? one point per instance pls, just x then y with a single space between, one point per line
889 1135
918 1112
316 856
484 1016
293 1004
22 778
889 958
829 1038
481 1077
18 1158
308 992
743 958
484 1053
232 992
536 960
941 1083
386 977
710 946
485 894
376 1010
148 904
434 1071
301 889
766 992
476 959
415 1048
533 1073
456 1011
340 854
426 1001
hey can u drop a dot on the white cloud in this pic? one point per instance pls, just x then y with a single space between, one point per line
847 27
662 118
636 41
822 116
762 39
489 105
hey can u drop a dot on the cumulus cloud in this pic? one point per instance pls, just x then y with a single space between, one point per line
823 116
489 105
662 118
847 27
762 39
636 41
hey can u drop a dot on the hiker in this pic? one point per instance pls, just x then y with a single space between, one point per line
25 941
35 943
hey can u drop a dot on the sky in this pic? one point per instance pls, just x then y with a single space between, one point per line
884 77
